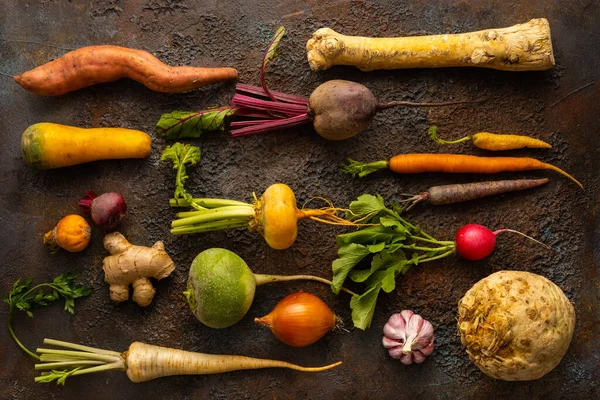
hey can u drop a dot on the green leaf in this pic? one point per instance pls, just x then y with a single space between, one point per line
363 307
366 236
349 256
182 156
388 283
184 124
360 275
376 248
415 259
367 204
272 51
24 298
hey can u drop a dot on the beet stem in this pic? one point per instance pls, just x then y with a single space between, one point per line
271 125
252 102
256 90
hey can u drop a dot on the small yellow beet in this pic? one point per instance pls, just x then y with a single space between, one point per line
275 216
47 145
72 233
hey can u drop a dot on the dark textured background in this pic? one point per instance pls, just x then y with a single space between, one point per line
216 33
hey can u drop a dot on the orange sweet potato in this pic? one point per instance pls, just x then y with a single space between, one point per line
96 64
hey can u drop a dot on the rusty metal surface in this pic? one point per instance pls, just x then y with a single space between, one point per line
235 33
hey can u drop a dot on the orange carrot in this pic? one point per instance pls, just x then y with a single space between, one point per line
494 141
451 163
95 64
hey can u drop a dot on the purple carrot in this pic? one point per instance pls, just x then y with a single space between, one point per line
449 194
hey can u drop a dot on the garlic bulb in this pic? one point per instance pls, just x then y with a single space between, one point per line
408 337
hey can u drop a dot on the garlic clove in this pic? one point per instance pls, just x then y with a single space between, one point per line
395 327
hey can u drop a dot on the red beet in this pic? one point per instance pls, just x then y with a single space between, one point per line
107 210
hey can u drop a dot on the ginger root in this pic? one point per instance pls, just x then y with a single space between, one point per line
523 47
129 264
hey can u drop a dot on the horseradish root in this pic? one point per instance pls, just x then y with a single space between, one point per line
129 264
523 47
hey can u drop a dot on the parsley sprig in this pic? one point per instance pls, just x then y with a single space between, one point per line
394 244
25 298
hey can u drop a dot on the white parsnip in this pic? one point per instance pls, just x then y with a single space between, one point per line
144 362
522 47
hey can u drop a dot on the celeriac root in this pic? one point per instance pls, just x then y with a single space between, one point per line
522 47
129 264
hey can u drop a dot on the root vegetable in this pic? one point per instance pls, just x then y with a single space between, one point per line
337 109
450 194
220 287
275 216
299 319
72 233
97 64
476 242
451 163
394 246
494 141
143 362
515 325
523 47
134 265
107 210
46 145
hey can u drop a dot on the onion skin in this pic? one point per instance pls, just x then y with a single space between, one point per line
299 319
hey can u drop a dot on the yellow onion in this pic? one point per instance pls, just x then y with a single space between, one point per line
299 319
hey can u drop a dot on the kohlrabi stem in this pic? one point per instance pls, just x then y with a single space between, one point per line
522 234
207 202
215 214
383 106
261 279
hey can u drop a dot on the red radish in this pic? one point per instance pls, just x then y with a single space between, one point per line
476 242
108 209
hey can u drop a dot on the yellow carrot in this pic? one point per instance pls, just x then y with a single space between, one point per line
494 141
143 362
46 145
